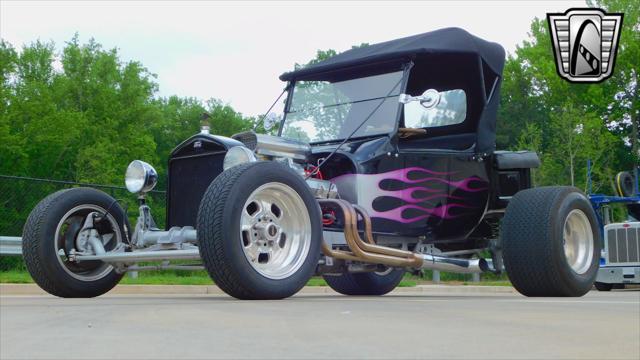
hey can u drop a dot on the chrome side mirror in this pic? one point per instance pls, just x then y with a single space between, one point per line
429 99
270 121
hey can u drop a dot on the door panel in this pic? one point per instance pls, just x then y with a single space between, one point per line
437 194
441 195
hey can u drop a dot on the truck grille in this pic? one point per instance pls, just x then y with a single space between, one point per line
622 243
189 178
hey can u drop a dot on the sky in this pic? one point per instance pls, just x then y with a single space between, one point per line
235 51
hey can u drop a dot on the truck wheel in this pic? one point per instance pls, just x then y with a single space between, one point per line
370 283
53 229
259 231
551 242
603 286
625 184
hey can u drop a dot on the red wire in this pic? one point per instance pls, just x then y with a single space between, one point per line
318 173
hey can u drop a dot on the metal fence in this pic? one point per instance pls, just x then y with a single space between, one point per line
19 195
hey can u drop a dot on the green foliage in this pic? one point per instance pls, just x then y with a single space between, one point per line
84 114
568 124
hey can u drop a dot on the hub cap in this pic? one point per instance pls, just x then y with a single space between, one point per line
87 270
275 230
578 241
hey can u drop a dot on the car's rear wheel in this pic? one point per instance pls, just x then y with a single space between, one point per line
603 286
368 283
54 229
551 242
259 231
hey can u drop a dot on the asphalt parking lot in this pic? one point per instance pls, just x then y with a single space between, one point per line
431 323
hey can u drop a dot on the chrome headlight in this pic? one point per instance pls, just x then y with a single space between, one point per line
238 155
140 177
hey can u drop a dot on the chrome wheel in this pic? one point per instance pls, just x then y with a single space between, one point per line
275 230
578 241
73 219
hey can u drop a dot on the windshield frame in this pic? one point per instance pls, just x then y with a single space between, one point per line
405 68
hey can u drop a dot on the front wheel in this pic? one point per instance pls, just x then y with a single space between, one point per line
551 242
370 283
259 231
55 228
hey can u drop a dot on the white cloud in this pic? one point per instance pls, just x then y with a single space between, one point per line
235 51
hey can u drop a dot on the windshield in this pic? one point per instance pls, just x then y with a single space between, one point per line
325 111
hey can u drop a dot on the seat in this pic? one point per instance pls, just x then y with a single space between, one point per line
516 159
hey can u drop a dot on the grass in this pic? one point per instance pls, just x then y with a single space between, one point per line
490 283
181 277
15 277
161 278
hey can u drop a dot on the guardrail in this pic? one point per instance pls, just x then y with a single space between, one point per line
10 245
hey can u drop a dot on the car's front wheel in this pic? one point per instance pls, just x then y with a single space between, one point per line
56 228
259 231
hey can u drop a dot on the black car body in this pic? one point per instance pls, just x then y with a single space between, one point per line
441 185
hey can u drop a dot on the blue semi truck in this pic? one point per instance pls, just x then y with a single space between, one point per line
620 258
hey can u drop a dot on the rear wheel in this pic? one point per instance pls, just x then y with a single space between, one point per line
603 286
369 283
259 231
551 242
54 229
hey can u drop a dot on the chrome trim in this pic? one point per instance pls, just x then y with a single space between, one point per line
268 145
322 189
275 231
136 256
578 242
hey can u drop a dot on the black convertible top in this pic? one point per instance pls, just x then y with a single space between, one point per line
443 41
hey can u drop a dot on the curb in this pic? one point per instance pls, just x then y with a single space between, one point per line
33 289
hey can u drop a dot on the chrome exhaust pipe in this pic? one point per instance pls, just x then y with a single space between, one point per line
457 265
370 252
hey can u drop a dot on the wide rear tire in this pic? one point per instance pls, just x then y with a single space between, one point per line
259 231
370 283
551 242
603 286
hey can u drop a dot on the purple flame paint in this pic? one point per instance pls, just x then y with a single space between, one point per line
438 202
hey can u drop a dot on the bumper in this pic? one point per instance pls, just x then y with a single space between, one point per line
619 275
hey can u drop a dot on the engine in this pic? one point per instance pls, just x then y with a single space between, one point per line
294 153
198 160
270 147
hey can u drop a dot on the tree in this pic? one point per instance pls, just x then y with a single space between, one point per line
567 123
623 108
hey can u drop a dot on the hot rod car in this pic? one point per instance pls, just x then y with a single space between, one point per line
384 162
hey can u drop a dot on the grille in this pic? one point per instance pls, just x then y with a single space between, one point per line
189 177
622 243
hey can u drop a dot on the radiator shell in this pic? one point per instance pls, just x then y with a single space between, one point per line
622 244
192 167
